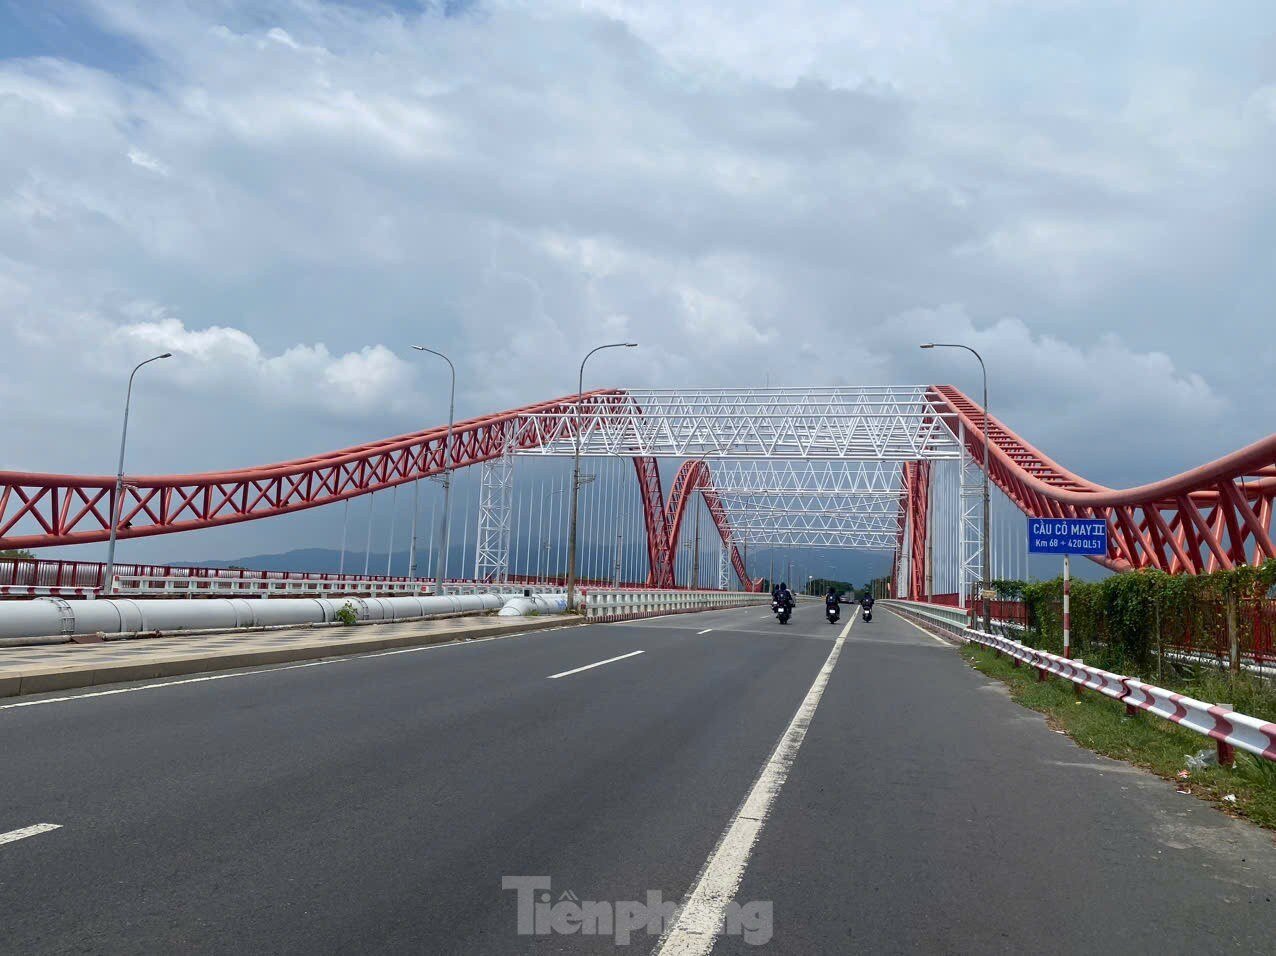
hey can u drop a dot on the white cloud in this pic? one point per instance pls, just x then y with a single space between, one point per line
354 384
1102 407
139 158
293 193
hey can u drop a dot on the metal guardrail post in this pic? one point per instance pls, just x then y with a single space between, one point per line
1226 752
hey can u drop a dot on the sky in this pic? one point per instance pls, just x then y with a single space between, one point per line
288 193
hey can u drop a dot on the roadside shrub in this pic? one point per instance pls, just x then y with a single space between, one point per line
1123 620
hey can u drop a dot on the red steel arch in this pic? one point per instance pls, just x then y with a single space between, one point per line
1216 516
695 476
914 502
75 509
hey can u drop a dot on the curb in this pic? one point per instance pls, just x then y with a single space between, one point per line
71 677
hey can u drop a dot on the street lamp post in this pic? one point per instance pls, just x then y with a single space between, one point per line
441 559
117 503
571 534
985 571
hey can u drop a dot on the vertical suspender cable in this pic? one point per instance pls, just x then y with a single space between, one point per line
394 507
367 551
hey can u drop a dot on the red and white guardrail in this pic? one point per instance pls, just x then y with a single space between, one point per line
31 590
1226 727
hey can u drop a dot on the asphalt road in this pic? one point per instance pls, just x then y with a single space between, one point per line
377 803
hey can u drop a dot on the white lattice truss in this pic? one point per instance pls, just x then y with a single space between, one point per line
804 467
863 423
813 504
496 490
826 480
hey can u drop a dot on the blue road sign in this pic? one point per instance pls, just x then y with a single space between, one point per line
1067 536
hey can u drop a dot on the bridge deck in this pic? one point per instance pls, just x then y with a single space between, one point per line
377 805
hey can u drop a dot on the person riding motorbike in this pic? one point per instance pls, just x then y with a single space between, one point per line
784 603
784 597
831 602
866 602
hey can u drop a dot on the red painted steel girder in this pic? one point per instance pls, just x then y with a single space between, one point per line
1216 516
695 476
75 509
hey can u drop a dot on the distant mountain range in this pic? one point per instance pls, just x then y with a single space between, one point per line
855 567
311 559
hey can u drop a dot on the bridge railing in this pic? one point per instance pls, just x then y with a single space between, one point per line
138 585
1226 727
46 573
614 603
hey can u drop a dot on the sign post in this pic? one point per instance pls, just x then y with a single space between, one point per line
1067 608
1067 536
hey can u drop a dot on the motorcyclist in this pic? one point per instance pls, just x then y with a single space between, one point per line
784 597
866 602
831 602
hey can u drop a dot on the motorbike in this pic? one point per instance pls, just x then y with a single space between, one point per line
784 613
832 613
868 615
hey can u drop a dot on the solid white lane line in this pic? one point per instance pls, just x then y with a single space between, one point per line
609 660
933 637
702 915
705 631
33 830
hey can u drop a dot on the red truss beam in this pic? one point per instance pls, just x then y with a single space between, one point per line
75 509
1216 516
695 476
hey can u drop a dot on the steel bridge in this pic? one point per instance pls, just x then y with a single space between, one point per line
896 469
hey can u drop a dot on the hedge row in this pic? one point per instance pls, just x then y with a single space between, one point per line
1126 617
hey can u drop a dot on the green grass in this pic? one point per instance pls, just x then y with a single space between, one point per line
1099 724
